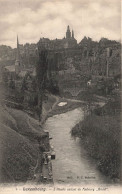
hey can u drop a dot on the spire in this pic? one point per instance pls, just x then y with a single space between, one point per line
68 33
18 53
17 40
72 34
17 62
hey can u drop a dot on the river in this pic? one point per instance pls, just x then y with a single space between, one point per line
72 164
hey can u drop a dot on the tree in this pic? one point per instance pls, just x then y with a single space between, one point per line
41 77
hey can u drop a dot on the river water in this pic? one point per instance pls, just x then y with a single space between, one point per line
72 164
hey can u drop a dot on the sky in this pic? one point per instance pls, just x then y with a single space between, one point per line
34 19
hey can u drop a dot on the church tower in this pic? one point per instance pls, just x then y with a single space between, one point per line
68 33
17 62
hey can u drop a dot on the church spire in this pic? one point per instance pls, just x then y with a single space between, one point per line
17 62
68 33
68 29
18 53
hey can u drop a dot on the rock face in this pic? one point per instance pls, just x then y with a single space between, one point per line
75 66
89 58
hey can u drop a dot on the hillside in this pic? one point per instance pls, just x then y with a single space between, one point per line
100 134
18 145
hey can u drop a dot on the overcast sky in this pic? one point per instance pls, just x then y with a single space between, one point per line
32 19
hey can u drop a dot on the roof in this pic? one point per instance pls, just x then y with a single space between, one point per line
10 68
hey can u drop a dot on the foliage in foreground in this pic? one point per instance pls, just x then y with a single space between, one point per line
101 137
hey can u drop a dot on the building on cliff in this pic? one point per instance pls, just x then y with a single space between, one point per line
67 42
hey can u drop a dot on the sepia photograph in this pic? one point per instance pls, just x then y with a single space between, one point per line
60 96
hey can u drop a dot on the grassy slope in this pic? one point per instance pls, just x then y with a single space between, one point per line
20 140
101 137
19 154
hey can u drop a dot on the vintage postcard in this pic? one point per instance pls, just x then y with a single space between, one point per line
60 96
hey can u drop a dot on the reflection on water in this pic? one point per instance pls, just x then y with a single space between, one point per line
72 165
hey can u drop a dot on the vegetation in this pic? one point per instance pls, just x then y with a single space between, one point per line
19 154
41 76
100 134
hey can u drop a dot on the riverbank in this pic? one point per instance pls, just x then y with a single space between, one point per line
100 135
72 164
